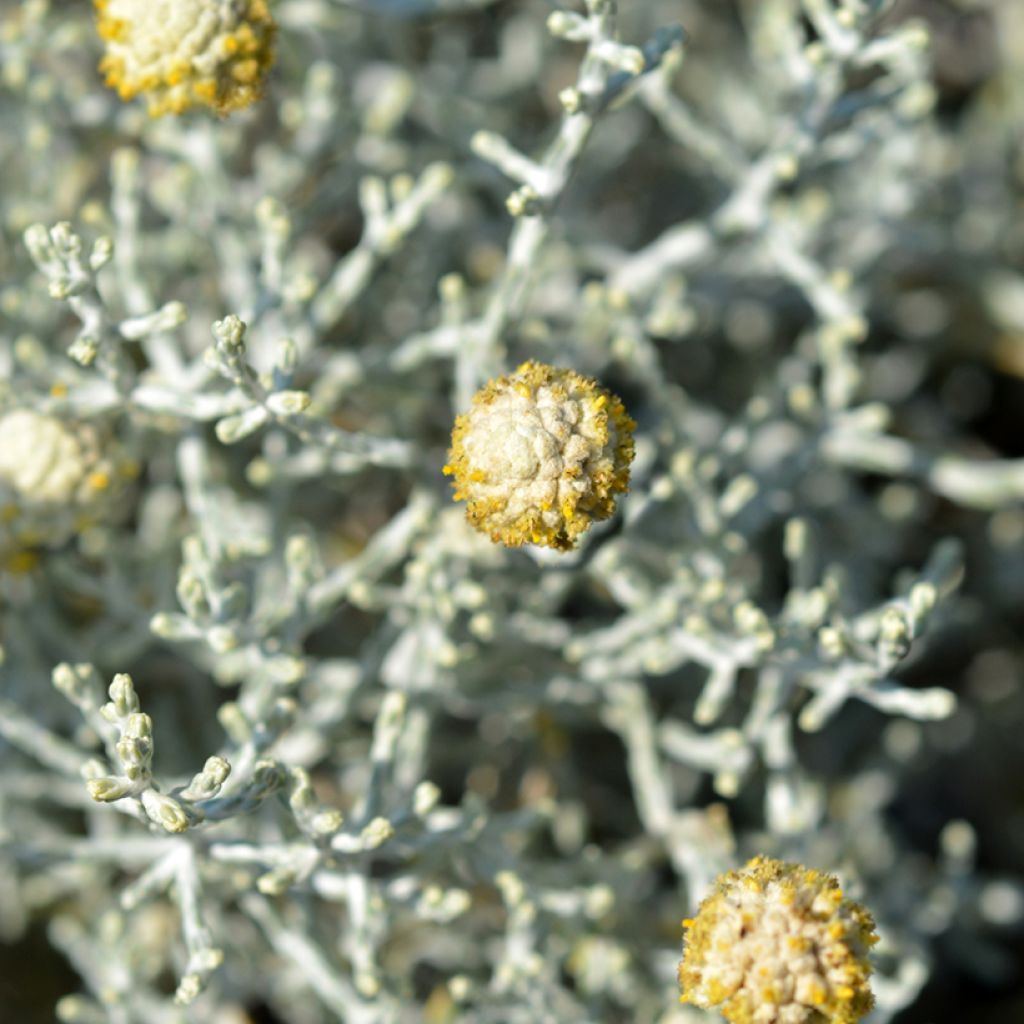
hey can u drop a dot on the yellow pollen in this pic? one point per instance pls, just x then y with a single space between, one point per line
155 51
738 960
549 465
23 562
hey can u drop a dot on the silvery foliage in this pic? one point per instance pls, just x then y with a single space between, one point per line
368 766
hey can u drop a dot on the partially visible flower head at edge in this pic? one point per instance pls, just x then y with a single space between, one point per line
778 943
540 456
56 479
186 53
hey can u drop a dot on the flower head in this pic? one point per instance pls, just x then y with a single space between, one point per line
540 456
183 53
40 458
776 943
54 482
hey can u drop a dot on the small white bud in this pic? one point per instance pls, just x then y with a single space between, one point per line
288 403
425 799
165 811
376 833
326 823
232 429
106 790
102 251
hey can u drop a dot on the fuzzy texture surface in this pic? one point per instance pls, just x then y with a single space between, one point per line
39 457
283 736
57 478
777 943
540 456
184 53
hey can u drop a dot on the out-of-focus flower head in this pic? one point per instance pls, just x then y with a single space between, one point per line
184 53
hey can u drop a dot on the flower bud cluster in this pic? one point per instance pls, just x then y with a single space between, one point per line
777 943
174 812
185 53
540 456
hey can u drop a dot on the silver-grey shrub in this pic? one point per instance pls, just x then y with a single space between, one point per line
357 763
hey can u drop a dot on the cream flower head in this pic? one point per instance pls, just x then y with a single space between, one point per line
776 943
54 482
39 458
540 455
183 53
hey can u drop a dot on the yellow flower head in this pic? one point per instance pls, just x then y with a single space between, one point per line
183 53
776 943
540 456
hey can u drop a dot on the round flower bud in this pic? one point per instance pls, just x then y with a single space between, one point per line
183 53
540 456
776 943
54 481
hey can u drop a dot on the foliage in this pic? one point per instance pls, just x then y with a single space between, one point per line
358 763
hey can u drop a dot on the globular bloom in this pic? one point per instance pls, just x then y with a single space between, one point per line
777 943
39 457
184 53
540 455
56 479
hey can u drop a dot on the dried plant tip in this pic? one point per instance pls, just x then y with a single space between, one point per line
540 455
186 53
777 943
